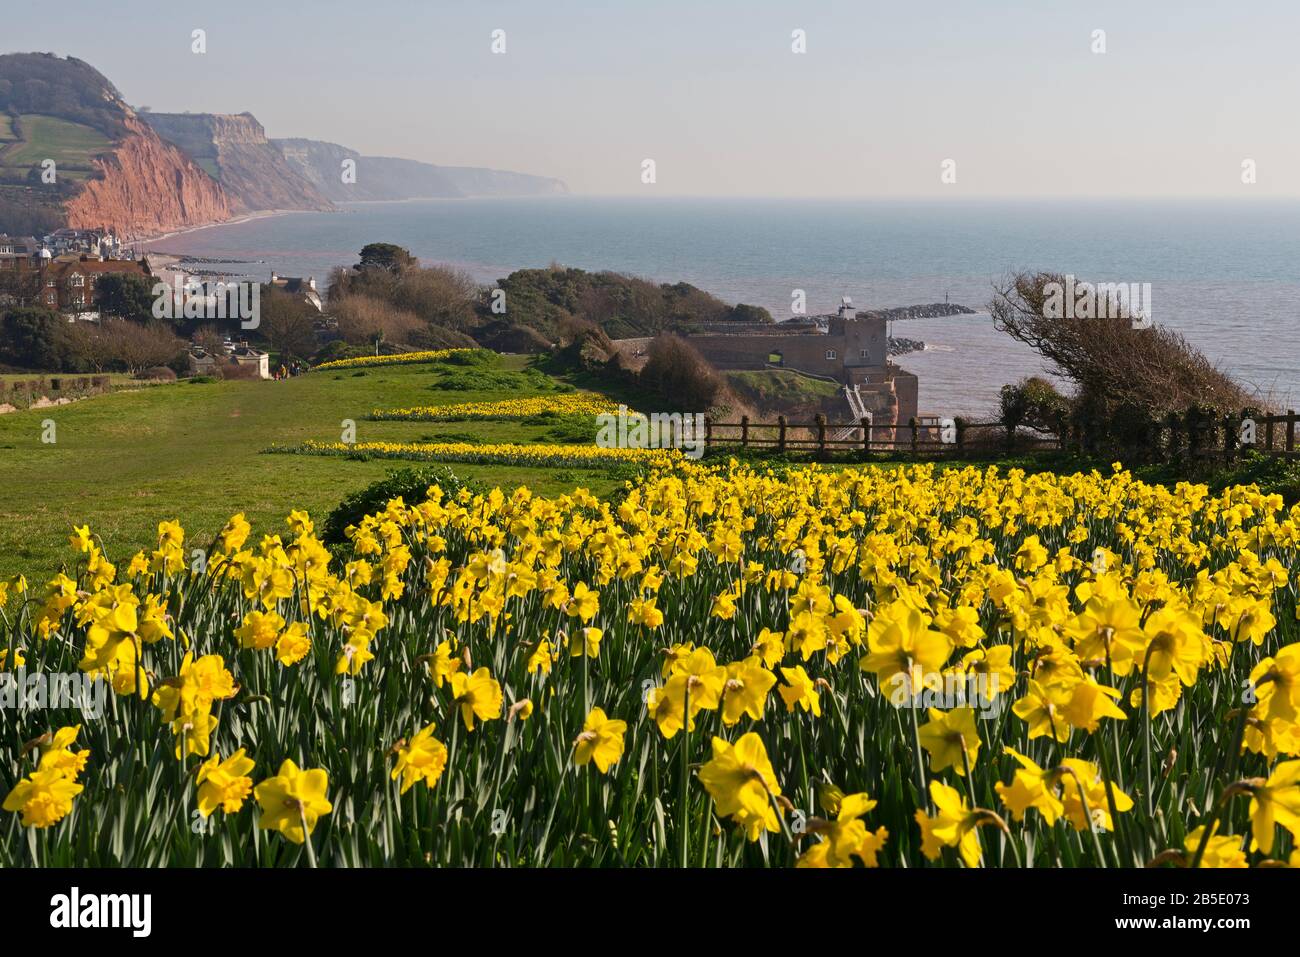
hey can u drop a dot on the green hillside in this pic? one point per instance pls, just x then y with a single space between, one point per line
72 146
193 451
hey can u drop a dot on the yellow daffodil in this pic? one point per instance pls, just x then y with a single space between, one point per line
292 800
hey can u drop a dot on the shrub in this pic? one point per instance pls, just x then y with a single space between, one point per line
234 371
471 358
679 375
158 374
338 349
531 380
409 484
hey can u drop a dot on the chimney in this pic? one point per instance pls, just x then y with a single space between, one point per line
311 283
274 276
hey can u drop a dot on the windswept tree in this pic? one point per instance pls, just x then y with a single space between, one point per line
1120 364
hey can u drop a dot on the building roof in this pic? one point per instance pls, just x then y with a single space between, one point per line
291 284
64 266
18 245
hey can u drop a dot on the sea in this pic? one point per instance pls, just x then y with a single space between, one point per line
1223 273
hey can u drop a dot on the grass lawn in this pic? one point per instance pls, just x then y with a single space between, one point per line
124 462
6 128
46 137
775 387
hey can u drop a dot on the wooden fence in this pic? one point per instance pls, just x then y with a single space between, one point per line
1191 434
1233 436
922 437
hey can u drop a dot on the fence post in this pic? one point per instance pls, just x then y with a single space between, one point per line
1229 437
708 432
915 436
960 425
1060 431
780 434
821 434
1290 430
866 434
1171 449
1268 435
744 431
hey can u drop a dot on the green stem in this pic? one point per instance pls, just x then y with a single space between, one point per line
922 795
684 815
1087 816
306 835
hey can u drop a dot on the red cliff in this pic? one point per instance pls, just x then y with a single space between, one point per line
146 186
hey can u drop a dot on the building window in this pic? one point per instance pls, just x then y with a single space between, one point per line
864 353
78 280
830 353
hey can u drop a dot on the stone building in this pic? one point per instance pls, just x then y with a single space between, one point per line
852 348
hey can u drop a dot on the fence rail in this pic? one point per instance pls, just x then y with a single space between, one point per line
1235 435
922 436
1193 434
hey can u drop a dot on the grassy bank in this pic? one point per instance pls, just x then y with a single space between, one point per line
194 451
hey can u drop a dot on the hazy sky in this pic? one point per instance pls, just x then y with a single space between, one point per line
712 92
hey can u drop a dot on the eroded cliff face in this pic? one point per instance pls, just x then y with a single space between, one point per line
234 149
146 187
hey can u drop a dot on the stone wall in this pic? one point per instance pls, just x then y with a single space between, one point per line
849 344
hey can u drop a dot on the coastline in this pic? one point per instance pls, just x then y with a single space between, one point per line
247 218
268 213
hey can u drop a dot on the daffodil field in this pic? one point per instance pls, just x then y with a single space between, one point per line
586 404
496 453
724 666
396 359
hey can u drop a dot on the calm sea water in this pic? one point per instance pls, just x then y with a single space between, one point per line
1226 274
